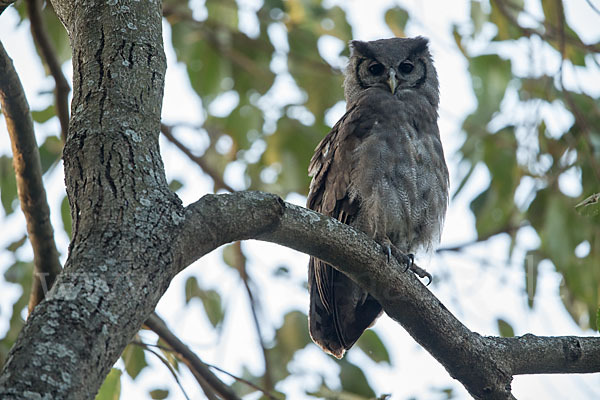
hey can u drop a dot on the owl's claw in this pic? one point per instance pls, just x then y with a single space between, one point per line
409 261
421 273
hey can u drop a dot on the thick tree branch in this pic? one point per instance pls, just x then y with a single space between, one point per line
42 41
32 195
484 365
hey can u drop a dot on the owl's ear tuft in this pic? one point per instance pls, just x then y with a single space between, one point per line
362 48
421 44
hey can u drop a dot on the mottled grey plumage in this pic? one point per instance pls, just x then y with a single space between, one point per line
381 169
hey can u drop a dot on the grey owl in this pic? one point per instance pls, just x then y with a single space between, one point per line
381 169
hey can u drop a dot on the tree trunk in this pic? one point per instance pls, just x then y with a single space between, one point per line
124 216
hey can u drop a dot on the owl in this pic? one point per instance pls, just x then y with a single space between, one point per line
381 170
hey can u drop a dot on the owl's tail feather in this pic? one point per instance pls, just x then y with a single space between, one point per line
352 311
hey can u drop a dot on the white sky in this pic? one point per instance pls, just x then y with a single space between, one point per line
477 294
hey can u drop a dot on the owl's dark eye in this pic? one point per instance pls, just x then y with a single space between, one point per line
406 67
376 69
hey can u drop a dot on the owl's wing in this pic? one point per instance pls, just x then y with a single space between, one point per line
331 168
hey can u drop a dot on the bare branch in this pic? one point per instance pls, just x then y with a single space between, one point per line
240 265
4 4
530 354
208 169
42 41
28 170
198 368
168 366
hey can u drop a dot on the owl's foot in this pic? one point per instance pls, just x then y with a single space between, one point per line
420 272
408 260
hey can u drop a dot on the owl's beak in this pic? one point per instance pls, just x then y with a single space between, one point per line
392 80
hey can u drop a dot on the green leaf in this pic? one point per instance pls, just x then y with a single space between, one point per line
590 206
396 19
211 300
135 360
21 274
478 17
230 255
354 380
44 115
370 343
490 76
291 336
175 185
325 392
159 394
505 328
65 214
111 388
8 185
14 246
507 30
170 356
50 152
225 12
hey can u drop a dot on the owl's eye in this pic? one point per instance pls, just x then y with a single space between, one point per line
406 67
376 69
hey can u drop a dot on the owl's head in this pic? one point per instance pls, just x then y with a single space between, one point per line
402 66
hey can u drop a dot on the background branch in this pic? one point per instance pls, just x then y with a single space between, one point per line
240 265
28 171
200 370
4 4
167 131
46 49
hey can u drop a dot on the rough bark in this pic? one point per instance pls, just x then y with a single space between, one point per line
124 217
131 235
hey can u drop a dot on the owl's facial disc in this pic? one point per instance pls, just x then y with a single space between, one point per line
392 80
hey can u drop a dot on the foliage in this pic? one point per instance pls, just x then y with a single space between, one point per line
274 141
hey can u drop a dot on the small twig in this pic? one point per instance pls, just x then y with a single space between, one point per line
549 33
215 176
62 88
480 239
593 6
197 366
28 171
165 362
240 261
244 381
579 117
4 4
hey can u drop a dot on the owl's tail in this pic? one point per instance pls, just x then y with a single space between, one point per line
336 322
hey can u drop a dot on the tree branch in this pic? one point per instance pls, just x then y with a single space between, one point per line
482 366
28 170
240 265
167 131
4 5
42 41
198 368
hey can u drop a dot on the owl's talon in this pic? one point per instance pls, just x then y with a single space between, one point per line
410 262
421 273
